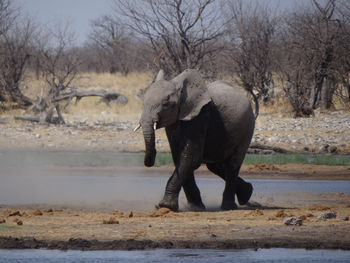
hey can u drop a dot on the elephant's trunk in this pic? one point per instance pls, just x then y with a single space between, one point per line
149 136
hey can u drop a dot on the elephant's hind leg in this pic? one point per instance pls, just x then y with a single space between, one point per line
228 198
193 194
244 189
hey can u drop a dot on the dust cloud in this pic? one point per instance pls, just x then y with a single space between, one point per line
31 178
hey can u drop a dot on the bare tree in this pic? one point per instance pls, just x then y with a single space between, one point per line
182 33
59 65
15 44
310 42
59 62
8 16
341 67
114 44
251 35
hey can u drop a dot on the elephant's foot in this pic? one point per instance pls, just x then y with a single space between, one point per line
244 192
196 207
169 203
225 206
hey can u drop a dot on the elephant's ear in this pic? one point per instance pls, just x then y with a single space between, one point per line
194 94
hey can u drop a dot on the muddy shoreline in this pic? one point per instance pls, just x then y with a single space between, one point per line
130 244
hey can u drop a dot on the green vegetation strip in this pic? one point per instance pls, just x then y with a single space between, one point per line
98 159
298 159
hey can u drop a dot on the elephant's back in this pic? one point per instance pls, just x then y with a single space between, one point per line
231 102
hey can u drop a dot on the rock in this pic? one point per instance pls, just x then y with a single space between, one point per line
24 214
333 149
118 213
303 217
293 221
344 218
160 212
111 221
2 221
256 212
15 213
130 214
281 213
18 221
327 215
324 148
38 136
320 208
37 212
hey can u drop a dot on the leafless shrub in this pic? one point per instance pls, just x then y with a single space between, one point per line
181 33
114 44
251 34
59 65
15 46
314 56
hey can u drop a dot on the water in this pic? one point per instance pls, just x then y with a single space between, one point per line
105 189
111 179
177 255
300 186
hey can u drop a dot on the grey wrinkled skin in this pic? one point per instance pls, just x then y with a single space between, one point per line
205 124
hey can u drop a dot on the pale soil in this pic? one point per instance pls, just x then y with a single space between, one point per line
248 227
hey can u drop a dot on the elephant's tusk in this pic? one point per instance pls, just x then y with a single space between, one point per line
155 125
137 127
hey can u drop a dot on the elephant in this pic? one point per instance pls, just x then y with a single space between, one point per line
205 124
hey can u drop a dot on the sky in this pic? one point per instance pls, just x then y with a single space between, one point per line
79 13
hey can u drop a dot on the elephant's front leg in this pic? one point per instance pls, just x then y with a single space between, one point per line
172 190
187 162
193 194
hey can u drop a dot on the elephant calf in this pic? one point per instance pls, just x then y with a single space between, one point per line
210 124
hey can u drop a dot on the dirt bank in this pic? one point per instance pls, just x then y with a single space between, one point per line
248 227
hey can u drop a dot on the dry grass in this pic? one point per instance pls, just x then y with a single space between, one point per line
90 108
130 85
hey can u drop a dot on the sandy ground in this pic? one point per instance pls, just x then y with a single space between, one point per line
247 227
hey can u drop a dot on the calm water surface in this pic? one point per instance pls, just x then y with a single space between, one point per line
177 255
